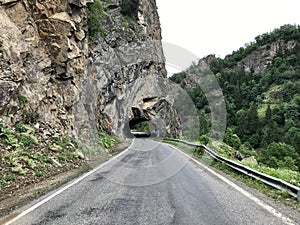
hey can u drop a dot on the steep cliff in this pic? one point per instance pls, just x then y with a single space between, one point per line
44 51
69 70
127 81
53 78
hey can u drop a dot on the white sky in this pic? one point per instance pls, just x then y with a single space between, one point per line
203 27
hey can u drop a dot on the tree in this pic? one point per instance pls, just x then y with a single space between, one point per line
130 8
253 123
203 124
292 137
241 117
280 152
271 133
268 114
288 163
232 139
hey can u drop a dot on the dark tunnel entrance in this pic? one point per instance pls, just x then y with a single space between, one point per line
141 127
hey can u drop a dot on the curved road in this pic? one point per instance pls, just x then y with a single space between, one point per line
149 183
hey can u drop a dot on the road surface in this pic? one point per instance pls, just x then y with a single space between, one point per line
149 183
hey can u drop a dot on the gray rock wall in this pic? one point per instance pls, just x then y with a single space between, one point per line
54 79
44 51
127 78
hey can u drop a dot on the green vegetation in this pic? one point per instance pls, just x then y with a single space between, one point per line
282 196
106 140
24 154
18 137
7 178
280 155
263 106
145 126
96 16
22 98
98 19
130 8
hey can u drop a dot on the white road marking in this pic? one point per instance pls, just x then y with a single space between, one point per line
259 202
35 206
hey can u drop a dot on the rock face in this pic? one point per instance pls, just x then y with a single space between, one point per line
43 60
127 80
260 59
255 62
51 76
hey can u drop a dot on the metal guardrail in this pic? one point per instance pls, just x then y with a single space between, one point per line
269 180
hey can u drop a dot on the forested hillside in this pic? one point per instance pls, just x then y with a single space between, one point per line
261 85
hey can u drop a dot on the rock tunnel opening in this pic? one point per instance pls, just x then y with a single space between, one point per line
141 127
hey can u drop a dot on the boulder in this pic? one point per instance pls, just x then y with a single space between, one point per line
250 159
7 91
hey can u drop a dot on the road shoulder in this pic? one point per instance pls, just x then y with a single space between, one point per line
21 197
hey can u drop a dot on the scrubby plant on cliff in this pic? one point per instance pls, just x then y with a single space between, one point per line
95 17
106 140
130 8
22 98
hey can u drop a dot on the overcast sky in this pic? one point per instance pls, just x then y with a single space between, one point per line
203 27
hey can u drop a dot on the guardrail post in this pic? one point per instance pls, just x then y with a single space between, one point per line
298 195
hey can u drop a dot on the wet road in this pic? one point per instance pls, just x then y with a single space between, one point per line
149 183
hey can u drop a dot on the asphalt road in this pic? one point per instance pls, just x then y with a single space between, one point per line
150 183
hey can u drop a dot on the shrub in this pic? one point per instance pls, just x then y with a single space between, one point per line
95 17
280 155
22 98
7 178
130 8
107 141
27 140
204 139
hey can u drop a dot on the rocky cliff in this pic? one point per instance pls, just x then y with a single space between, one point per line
260 59
53 78
44 57
127 81
257 61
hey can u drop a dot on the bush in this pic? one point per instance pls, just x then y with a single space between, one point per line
232 139
107 141
280 155
204 139
95 17
130 8
27 140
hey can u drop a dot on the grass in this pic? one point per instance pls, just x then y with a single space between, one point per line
5 179
282 196
25 156
106 140
290 176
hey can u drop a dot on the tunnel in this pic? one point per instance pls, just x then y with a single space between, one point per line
141 125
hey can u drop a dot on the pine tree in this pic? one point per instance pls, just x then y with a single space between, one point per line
253 124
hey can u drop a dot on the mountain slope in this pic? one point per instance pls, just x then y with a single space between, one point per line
261 85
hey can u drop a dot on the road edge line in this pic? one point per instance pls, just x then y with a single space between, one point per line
62 189
259 202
